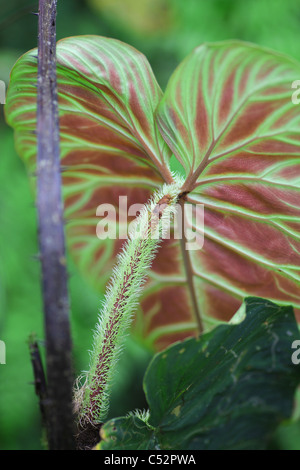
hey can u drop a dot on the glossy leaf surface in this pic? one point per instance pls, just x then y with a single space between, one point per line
229 389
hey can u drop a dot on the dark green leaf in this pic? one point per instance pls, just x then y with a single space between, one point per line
130 433
229 389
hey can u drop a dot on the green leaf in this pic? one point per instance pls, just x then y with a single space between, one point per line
110 148
110 145
228 116
129 433
228 389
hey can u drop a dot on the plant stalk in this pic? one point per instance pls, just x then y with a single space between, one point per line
60 429
121 300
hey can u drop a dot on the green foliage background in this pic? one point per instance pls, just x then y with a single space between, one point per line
166 31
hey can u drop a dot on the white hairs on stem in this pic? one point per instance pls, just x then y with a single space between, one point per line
121 300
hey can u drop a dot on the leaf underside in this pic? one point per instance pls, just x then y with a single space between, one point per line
228 118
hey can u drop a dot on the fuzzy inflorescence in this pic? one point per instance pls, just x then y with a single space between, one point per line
121 300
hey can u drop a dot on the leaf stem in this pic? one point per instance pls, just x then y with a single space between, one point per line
189 273
121 300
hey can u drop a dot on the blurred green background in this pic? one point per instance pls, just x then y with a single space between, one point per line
165 31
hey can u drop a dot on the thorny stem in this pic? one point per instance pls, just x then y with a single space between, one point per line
51 240
121 300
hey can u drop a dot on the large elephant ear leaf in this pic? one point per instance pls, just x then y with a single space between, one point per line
110 143
110 147
228 116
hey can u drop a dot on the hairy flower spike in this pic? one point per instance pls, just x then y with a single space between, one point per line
121 300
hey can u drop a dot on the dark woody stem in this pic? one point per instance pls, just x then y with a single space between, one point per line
51 240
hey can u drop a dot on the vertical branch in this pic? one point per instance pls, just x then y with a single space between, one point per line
51 239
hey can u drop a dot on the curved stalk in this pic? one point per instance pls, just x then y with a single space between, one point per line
121 300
